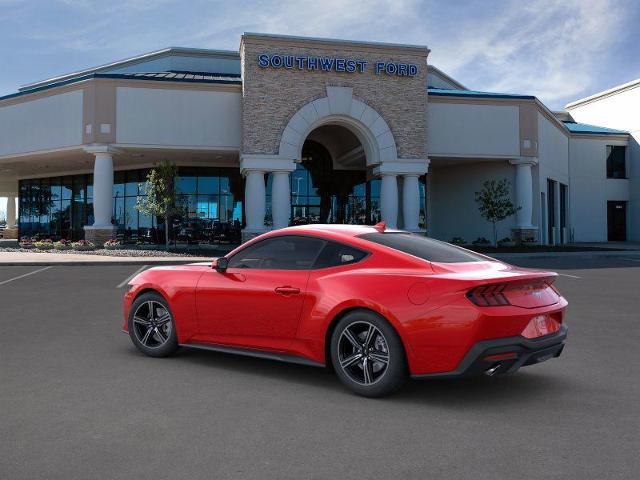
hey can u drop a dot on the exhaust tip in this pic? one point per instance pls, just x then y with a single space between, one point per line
490 372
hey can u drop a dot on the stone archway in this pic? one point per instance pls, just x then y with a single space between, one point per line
339 107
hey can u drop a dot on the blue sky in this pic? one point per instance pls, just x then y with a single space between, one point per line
556 50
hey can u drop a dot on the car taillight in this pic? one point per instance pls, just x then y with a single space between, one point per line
520 293
489 295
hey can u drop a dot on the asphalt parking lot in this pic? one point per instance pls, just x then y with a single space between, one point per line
77 401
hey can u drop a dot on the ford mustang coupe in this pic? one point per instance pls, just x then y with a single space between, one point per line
374 305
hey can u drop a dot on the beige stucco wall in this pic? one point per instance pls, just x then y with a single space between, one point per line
619 110
460 129
272 96
50 122
178 117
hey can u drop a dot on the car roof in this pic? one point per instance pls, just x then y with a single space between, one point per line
336 232
330 229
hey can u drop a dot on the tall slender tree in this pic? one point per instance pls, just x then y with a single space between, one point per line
161 198
494 203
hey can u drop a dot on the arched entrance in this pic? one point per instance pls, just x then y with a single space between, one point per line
331 183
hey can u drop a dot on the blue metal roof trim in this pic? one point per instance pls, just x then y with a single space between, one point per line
444 92
229 79
585 128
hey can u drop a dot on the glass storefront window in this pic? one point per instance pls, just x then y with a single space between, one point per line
60 207
186 184
118 184
212 201
208 185
348 201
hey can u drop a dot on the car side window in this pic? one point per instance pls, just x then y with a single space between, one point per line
286 252
334 254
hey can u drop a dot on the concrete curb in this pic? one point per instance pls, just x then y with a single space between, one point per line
141 261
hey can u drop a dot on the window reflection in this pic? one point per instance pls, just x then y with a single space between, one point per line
341 200
211 201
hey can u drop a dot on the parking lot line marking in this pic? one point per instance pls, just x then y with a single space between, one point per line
126 280
632 259
567 275
25 275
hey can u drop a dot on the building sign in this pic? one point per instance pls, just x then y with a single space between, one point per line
334 64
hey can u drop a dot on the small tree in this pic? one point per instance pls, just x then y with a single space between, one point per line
161 200
494 203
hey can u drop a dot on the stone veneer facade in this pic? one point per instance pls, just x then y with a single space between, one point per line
272 96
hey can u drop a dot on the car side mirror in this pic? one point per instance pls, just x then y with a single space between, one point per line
220 264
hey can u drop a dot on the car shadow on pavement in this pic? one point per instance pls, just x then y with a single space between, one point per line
521 388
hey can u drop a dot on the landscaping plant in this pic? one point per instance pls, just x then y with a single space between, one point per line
112 244
83 245
161 199
494 203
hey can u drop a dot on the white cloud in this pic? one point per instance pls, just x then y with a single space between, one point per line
541 47
548 48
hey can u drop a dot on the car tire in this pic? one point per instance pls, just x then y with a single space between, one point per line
367 354
153 335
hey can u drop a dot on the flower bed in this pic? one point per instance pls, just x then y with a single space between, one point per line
83 245
62 245
113 245
43 244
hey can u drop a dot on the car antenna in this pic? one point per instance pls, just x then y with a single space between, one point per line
380 226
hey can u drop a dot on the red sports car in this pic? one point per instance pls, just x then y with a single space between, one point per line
375 305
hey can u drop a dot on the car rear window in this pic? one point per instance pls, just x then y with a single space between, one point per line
334 254
423 247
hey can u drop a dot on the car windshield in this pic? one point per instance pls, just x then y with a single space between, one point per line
423 247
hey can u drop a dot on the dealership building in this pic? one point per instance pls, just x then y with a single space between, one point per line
292 130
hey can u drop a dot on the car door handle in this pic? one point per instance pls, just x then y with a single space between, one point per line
287 290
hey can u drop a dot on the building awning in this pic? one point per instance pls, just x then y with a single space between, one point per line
170 76
444 92
585 128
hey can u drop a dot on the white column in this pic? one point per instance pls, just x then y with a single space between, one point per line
411 202
255 200
103 190
389 199
524 193
11 212
280 200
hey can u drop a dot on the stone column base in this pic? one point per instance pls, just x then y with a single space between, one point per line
249 234
525 234
9 233
99 235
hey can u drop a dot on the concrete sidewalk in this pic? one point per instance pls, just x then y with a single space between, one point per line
37 259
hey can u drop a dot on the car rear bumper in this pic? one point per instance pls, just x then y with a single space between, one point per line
506 355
